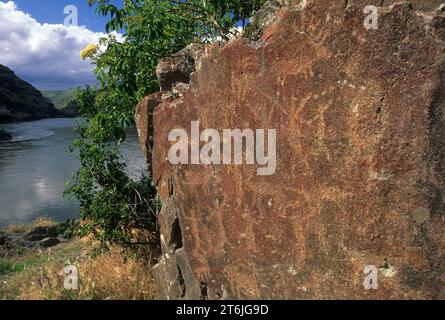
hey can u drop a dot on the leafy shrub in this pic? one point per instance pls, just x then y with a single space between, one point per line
111 202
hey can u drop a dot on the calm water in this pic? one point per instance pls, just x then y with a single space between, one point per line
35 165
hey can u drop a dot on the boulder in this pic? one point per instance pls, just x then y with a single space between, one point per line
40 233
360 174
49 242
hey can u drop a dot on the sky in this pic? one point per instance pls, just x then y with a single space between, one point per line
39 42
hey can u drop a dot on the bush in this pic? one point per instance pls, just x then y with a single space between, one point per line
111 202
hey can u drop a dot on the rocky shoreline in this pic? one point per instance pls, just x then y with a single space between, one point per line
38 237
5 135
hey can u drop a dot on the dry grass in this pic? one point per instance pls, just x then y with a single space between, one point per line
106 277
42 222
15 228
109 277
20 228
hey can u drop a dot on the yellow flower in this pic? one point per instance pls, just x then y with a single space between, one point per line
88 52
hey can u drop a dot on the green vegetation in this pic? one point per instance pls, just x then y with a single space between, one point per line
18 265
38 274
112 203
60 98
6 267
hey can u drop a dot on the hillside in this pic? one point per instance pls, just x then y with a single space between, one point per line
20 101
60 98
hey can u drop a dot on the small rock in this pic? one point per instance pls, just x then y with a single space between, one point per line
49 242
40 233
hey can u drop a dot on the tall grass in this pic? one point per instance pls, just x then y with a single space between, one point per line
109 276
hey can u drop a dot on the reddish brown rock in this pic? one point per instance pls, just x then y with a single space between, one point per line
360 175
144 122
178 67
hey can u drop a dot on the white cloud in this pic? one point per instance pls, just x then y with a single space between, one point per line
47 55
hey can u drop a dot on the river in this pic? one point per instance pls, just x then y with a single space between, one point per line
35 165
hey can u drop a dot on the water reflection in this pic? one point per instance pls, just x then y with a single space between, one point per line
35 165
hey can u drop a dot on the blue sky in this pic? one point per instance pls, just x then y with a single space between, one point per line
37 45
51 11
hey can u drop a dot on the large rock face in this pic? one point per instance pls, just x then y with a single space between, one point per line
360 175
20 101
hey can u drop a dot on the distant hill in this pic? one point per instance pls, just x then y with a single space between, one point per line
20 101
60 98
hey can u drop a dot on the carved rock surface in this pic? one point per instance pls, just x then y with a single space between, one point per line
360 176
